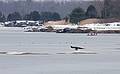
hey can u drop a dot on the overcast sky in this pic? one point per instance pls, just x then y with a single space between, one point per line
47 0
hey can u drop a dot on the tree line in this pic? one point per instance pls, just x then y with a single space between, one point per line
79 14
34 15
63 7
76 15
109 10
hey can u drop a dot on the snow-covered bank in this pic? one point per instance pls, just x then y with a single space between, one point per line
12 29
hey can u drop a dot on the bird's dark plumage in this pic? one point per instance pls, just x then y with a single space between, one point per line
76 48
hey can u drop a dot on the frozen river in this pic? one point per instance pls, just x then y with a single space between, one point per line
106 61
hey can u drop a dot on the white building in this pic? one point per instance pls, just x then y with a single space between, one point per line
103 26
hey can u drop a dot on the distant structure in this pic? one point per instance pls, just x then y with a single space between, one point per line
102 25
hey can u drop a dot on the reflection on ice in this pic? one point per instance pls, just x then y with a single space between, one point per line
38 53
83 52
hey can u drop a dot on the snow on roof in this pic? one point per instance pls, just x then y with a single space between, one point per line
19 21
31 21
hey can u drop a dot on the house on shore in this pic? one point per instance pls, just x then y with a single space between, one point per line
102 25
22 23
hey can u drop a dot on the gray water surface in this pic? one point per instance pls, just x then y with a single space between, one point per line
106 61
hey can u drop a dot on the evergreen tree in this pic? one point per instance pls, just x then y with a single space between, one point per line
56 16
46 16
91 12
14 16
26 17
77 15
50 16
34 16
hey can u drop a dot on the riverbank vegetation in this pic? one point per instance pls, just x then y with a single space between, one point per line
110 9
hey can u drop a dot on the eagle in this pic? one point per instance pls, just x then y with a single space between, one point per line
76 48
